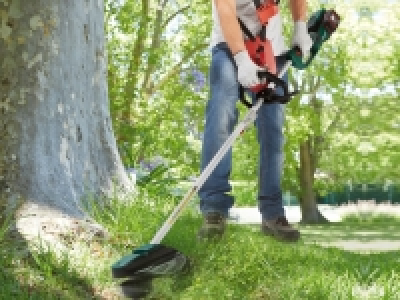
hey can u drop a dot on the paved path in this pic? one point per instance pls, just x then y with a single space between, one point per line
251 215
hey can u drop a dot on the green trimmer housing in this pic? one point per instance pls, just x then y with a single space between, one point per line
320 26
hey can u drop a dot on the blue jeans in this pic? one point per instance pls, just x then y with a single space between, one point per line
221 117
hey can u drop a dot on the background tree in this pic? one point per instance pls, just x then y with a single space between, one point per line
334 121
362 150
157 59
309 127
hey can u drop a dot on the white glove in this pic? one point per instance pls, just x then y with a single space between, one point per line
301 38
247 69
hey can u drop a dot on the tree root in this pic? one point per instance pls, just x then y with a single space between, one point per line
310 221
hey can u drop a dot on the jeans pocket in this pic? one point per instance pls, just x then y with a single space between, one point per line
219 47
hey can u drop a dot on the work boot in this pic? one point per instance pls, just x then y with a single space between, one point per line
213 225
280 229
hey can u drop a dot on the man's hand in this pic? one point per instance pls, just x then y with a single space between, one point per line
247 69
301 38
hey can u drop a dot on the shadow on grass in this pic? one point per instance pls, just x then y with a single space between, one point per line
355 228
38 275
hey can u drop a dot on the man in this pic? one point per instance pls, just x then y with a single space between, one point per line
231 65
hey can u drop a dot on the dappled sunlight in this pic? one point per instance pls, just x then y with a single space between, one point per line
368 292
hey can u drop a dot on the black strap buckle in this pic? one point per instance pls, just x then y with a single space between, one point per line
268 94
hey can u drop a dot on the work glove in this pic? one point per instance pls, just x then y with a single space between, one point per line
301 38
247 69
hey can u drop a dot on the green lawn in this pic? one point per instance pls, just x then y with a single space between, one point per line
244 264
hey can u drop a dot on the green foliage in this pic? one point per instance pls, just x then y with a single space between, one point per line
153 175
155 101
152 54
352 132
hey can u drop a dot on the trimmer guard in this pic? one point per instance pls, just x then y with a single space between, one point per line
154 260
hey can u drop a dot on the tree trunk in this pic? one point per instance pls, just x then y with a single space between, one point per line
308 203
57 142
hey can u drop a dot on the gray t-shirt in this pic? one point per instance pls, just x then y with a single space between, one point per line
246 11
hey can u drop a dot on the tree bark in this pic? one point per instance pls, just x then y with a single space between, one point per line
57 142
308 202
135 63
155 43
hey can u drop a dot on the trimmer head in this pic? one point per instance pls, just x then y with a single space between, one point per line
137 287
144 264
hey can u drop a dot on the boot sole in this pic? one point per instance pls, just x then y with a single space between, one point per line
286 237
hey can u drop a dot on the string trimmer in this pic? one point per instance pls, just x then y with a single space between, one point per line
154 259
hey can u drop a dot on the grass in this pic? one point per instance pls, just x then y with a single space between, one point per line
247 265
244 264
38 274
